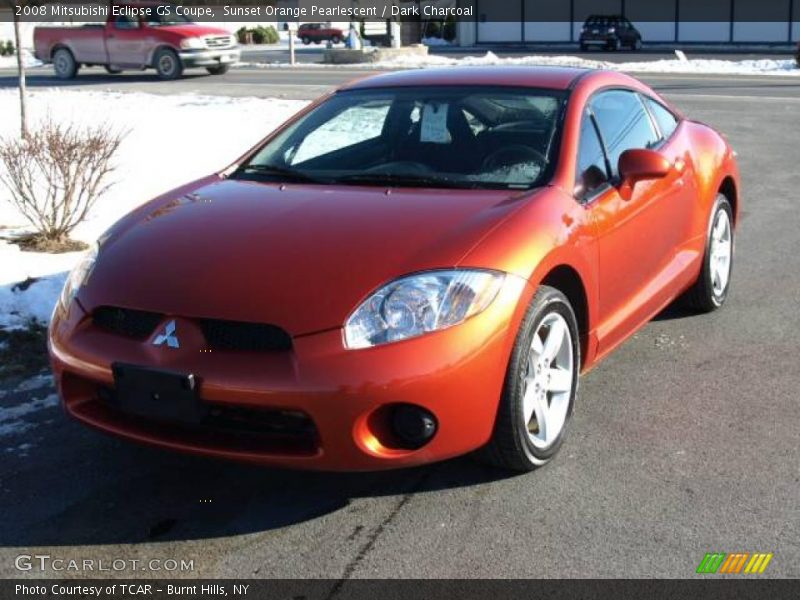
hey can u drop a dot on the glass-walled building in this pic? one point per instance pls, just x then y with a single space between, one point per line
682 21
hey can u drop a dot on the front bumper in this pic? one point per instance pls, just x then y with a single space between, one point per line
457 374
209 58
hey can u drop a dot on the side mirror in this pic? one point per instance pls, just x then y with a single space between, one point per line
639 164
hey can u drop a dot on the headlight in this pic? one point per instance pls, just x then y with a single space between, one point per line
418 304
612 30
193 43
78 276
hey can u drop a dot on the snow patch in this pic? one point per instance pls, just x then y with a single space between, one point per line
10 62
11 419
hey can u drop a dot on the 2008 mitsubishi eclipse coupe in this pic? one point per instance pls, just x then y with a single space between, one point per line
415 267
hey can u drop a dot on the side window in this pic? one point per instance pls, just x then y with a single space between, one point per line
348 128
667 122
623 123
591 171
126 22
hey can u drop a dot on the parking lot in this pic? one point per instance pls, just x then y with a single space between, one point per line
685 441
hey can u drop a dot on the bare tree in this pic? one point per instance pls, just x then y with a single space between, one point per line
55 174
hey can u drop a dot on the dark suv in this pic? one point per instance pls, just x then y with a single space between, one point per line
612 32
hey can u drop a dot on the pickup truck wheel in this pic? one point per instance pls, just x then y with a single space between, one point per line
168 65
219 70
306 40
112 70
64 64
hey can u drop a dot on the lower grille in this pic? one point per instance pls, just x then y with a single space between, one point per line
137 324
244 337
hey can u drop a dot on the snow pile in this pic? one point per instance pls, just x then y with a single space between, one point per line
765 66
170 141
10 62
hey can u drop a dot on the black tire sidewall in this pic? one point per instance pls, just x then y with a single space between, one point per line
721 203
175 72
547 301
70 73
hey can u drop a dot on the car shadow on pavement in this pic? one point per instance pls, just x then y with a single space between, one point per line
79 487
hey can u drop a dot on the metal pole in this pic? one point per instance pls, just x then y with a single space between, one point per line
291 46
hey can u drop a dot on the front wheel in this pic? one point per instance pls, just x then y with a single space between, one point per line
540 388
168 65
710 290
218 70
64 64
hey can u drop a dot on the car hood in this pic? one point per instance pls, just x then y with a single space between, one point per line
297 256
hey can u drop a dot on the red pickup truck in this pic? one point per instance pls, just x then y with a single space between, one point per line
137 36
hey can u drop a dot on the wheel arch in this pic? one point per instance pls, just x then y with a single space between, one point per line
568 281
60 46
728 189
152 57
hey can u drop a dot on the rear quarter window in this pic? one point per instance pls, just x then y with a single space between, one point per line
666 120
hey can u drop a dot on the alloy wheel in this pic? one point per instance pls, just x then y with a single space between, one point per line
548 380
721 250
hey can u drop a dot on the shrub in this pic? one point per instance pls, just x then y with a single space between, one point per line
241 35
271 35
56 174
258 35
7 48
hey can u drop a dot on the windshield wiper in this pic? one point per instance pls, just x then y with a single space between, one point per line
279 172
402 180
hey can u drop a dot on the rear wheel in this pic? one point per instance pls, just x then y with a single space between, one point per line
218 70
710 290
168 65
637 44
540 388
64 64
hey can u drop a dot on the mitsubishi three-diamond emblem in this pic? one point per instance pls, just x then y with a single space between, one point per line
169 337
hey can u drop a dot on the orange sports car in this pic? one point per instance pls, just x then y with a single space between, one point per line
415 267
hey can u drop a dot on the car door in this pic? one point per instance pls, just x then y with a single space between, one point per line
636 236
125 42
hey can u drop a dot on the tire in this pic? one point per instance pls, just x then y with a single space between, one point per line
336 40
637 44
167 64
514 444
219 70
64 64
306 40
111 70
710 291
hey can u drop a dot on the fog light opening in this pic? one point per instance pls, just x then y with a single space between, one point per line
412 425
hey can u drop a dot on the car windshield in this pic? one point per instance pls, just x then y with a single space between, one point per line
156 20
459 137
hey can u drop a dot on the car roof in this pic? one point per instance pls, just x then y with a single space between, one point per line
556 78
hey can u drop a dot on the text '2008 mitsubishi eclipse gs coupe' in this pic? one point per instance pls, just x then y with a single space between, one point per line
413 268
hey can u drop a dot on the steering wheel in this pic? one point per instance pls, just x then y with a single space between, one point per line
405 167
512 155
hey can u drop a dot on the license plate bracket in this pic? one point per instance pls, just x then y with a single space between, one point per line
157 394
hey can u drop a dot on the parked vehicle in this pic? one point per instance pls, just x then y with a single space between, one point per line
132 40
612 32
319 32
415 267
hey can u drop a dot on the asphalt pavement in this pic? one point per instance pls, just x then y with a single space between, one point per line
685 441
